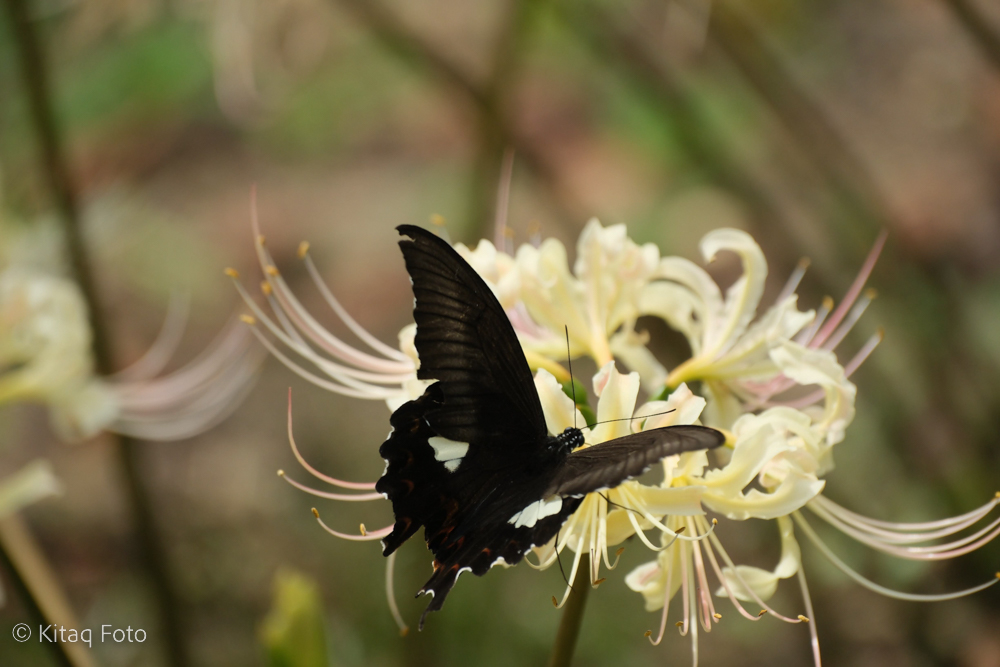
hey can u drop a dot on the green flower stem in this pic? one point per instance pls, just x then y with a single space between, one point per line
572 617
57 173
39 589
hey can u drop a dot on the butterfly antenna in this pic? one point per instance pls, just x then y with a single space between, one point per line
626 419
559 560
613 503
572 384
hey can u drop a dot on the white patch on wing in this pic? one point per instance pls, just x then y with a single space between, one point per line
448 451
499 561
539 509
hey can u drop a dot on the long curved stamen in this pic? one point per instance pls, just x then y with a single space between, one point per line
287 334
793 280
572 574
163 348
361 486
371 393
704 596
858 519
753 595
856 312
293 308
813 633
853 292
390 594
352 324
330 496
725 585
807 334
365 536
871 585
666 602
885 541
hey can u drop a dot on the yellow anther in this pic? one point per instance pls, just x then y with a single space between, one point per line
555 602
647 634
232 273
620 551
265 287
437 220
363 531
534 228
508 233
681 530
271 270
715 522
804 263
281 473
827 303
679 624
303 249
871 293
599 581
403 632
880 332
717 616
261 240
248 319
804 619
761 613
315 512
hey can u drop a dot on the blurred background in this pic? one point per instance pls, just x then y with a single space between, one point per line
812 125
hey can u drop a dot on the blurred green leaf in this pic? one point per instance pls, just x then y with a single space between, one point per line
293 633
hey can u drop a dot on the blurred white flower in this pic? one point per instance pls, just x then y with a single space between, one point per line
32 483
45 352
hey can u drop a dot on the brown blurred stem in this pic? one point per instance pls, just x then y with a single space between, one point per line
39 590
803 117
494 126
572 617
602 32
977 26
56 168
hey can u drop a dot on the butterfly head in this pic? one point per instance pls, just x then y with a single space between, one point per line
570 439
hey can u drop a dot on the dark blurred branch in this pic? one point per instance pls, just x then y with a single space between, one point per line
803 117
978 28
413 49
603 33
56 168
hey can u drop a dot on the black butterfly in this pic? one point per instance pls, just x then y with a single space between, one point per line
471 459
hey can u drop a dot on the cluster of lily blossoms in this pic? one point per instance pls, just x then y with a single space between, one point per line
769 378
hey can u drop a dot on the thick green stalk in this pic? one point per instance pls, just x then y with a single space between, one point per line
57 173
572 617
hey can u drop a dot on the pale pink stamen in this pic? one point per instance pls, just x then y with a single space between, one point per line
366 536
346 318
349 497
871 585
365 486
666 604
793 280
163 348
978 513
725 585
853 292
390 594
705 600
813 633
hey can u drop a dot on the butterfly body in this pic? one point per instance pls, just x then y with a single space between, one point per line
471 460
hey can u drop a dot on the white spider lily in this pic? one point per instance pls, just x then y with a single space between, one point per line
744 360
192 399
783 451
45 352
384 373
607 518
600 296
